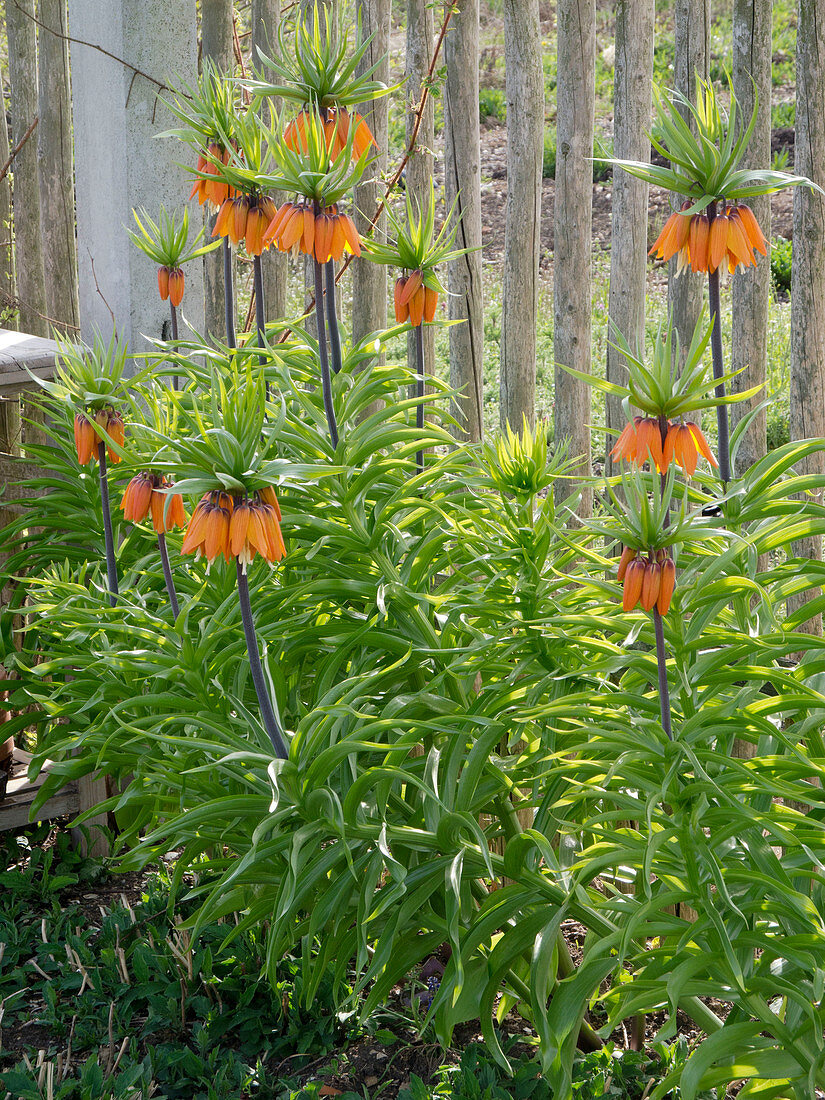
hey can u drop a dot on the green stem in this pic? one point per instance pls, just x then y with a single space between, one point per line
111 565
268 717
167 574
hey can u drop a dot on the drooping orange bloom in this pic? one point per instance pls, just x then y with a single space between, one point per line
213 191
414 302
166 518
649 442
628 555
633 581
651 585
674 236
625 446
649 581
137 497
85 439
176 284
337 122
684 443
208 533
142 496
110 420
256 223
667 584
255 529
705 242
170 284
325 236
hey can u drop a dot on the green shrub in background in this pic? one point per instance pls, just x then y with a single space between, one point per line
492 103
548 164
781 263
783 115
603 148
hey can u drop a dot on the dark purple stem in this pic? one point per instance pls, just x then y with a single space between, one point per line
718 367
661 661
268 717
332 319
419 392
111 565
228 294
167 574
326 381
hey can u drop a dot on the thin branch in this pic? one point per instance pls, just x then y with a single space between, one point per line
100 292
4 170
93 46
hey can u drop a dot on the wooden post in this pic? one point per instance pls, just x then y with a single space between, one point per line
28 249
752 286
420 165
686 292
56 167
7 305
628 251
572 225
217 45
462 170
265 19
808 269
522 235
369 281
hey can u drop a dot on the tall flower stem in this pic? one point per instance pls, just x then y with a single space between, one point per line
228 295
419 391
326 381
264 702
260 310
167 574
661 662
111 565
173 313
718 367
332 318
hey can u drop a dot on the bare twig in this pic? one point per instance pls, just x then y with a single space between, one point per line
94 46
4 170
100 292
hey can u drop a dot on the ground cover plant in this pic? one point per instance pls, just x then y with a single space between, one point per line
400 708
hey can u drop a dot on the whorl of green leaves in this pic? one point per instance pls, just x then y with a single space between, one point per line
317 67
208 110
416 247
706 158
663 387
313 172
166 241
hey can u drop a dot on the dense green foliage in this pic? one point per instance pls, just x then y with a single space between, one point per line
469 708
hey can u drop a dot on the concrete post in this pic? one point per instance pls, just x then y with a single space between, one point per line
120 164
